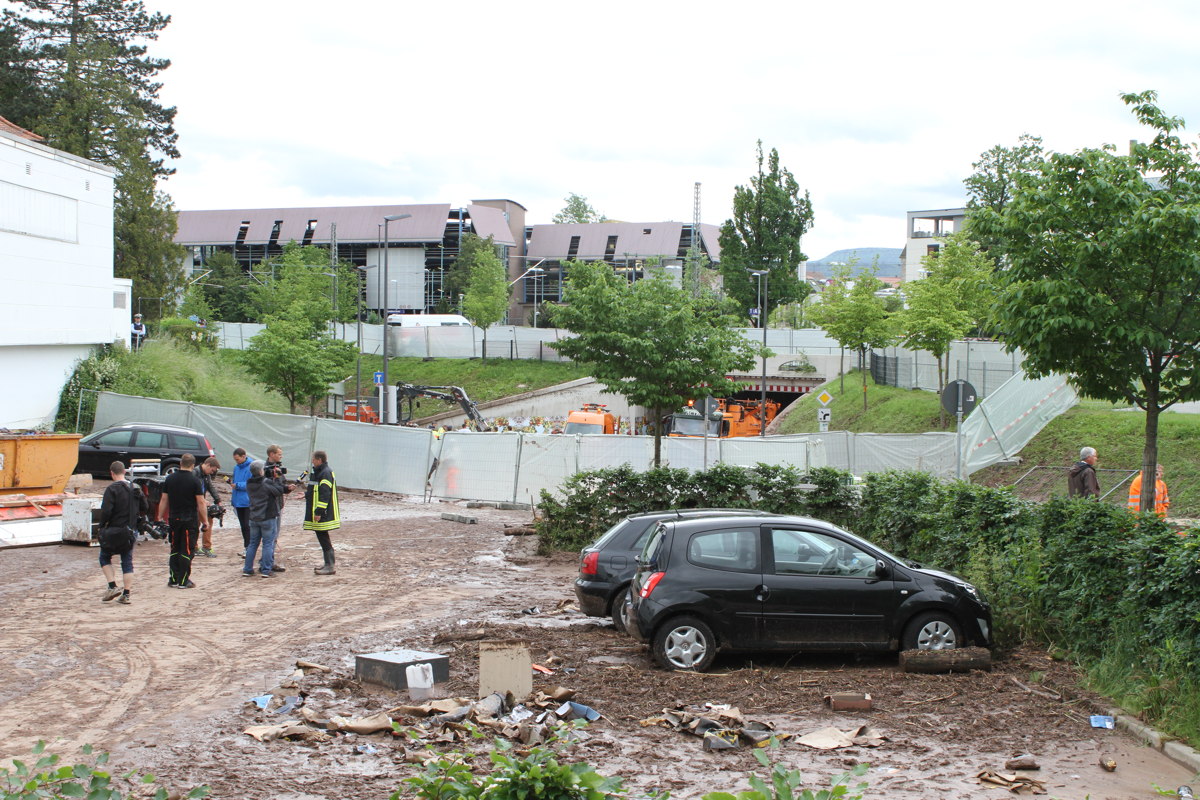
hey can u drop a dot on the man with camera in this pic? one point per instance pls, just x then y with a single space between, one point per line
205 473
274 468
123 503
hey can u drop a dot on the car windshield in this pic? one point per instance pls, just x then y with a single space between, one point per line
584 427
650 549
687 425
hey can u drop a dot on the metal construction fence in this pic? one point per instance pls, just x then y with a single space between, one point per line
510 466
502 341
984 365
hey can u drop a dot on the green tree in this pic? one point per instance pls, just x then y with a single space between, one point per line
22 99
854 316
1101 281
578 209
289 357
769 218
995 179
97 97
648 340
301 282
229 289
458 273
486 298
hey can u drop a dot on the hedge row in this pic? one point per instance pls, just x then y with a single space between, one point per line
1117 592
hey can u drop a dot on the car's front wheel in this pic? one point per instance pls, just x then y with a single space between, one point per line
933 630
685 644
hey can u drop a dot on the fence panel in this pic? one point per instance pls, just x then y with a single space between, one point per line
1012 415
545 460
478 466
609 452
381 458
747 451
117 409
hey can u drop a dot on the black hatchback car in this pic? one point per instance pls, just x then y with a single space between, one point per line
164 444
792 584
607 565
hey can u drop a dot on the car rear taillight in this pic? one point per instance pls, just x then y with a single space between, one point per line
590 563
211 452
650 583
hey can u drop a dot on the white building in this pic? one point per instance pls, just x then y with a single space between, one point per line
56 266
925 229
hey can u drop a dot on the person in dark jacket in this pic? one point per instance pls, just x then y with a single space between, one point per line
1081 477
205 472
264 494
123 503
321 508
182 505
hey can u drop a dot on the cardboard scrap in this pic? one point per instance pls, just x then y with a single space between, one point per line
1012 781
379 721
721 726
831 738
285 730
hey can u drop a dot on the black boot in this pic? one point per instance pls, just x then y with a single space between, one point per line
328 568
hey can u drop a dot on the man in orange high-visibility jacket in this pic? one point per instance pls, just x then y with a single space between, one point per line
1162 500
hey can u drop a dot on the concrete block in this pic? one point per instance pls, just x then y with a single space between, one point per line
505 666
1142 732
390 668
463 518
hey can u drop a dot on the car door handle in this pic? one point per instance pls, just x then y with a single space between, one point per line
762 592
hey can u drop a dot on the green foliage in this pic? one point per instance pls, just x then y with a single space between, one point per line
195 304
302 285
165 370
537 774
769 219
648 340
483 380
229 289
486 298
578 209
299 363
1100 282
889 410
46 778
594 501
854 316
786 784
187 334
998 171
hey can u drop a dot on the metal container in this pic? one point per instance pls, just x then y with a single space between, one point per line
37 463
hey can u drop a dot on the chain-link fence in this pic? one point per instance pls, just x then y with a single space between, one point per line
920 371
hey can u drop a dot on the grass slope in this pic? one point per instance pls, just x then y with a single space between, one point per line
889 410
482 380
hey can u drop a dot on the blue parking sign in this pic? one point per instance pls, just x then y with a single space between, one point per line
379 379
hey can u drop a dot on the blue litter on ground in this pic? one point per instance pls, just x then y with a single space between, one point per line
1102 721
262 701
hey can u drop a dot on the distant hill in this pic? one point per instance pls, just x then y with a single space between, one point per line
889 260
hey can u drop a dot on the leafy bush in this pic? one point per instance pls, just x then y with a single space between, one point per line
84 779
187 334
785 784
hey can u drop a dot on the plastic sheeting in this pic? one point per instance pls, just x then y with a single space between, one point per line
797 451
607 452
1012 415
228 428
478 466
545 460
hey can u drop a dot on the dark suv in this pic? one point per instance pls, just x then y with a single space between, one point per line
607 565
792 584
164 444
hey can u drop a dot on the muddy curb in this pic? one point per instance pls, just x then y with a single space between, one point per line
1179 752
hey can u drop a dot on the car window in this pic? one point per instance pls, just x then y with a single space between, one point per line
116 439
151 439
185 442
731 549
650 549
799 552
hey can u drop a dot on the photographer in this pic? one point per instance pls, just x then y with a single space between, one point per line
205 473
265 494
274 468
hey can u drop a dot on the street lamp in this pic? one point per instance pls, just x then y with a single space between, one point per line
535 269
762 274
384 416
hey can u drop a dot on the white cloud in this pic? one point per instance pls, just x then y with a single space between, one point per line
877 107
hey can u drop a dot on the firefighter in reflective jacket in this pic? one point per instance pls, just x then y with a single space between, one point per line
1162 500
321 508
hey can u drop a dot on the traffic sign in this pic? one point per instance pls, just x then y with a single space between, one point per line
824 414
959 397
825 398
379 379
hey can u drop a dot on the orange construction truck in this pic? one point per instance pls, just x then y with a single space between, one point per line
592 418
730 418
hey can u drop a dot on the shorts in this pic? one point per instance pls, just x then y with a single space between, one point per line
126 559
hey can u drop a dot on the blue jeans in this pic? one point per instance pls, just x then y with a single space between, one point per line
264 531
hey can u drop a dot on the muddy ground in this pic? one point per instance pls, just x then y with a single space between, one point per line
163 683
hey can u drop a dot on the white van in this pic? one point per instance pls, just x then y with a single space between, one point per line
426 320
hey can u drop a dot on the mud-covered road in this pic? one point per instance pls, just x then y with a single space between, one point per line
163 683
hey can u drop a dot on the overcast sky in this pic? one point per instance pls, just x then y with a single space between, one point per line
878 108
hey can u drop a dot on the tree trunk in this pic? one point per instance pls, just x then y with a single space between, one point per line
962 659
842 369
658 415
1150 452
862 366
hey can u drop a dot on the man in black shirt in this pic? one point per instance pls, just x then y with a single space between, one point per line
182 505
119 511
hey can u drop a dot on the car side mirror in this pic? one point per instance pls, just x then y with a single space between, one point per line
96 445
883 569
